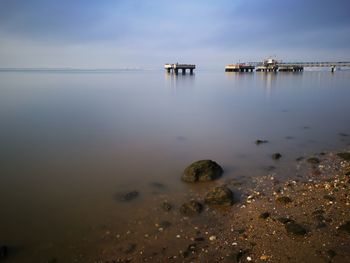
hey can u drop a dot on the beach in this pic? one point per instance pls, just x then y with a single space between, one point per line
303 219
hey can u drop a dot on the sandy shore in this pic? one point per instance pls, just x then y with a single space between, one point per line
304 219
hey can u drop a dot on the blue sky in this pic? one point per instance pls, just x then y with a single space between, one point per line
146 34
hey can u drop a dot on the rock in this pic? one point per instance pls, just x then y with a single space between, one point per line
295 228
258 142
165 224
284 199
345 156
191 249
285 220
318 212
191 208
204 170
129 248
276 156
264 215
237 257
212 238
331 253
345 227
3 252
313 160
129 196
329 198
221 195
299 159
166 206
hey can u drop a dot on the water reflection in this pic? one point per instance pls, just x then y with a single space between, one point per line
268 80
179 82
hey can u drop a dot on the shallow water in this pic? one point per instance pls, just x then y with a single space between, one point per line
71 141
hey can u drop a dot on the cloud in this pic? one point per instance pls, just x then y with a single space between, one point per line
129 31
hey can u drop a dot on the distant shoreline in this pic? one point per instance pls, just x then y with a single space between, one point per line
70 69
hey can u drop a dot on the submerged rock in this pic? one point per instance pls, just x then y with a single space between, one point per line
345 156
221 195
191 208
295 228
313 160
204 170
276 156
129 196
258 142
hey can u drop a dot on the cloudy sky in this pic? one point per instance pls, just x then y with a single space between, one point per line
148 33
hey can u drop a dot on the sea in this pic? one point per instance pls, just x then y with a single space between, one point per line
72 142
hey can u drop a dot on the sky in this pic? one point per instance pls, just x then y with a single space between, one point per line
149 33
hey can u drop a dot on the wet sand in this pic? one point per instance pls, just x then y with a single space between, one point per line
298 220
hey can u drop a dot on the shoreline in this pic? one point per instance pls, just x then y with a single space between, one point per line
303 219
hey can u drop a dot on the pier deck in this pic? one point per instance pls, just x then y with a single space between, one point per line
176 67
239 68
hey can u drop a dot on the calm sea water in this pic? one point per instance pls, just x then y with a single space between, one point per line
71 141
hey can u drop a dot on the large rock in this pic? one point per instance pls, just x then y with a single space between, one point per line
204 170
221 195
128 196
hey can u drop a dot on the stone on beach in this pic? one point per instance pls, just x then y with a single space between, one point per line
276 156
221 195
295 228
284 199
166 206
344 155
313 160
191 208
204 170
345 227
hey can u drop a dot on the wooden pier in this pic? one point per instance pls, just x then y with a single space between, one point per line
290 68
239 68
174 68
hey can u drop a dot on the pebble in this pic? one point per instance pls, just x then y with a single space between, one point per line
264 257
212 238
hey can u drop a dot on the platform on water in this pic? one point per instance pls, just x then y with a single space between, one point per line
239 68
174 68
